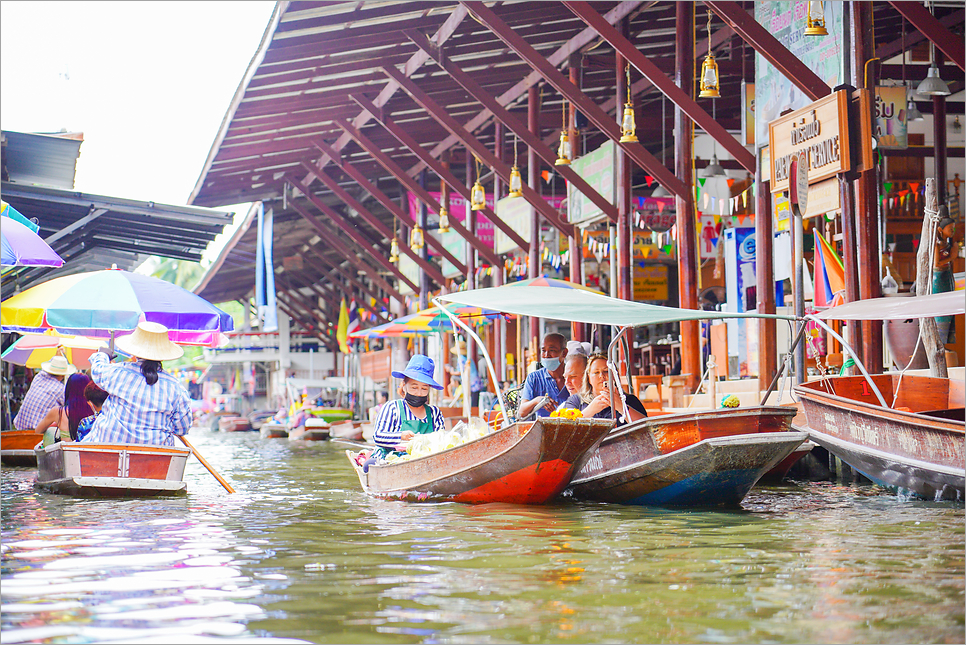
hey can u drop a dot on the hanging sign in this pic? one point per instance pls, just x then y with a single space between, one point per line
890 117
798 184
821 131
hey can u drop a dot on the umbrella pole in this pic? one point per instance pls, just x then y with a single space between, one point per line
204 462
110 346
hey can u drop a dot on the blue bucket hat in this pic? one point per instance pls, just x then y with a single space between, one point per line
420 369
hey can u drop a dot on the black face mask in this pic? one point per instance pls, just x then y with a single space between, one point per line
416 401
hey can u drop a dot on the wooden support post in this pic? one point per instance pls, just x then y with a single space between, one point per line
533 179
849 258
578 331
764 282
935 350
687 243
868 255
939 139
625 237
498 329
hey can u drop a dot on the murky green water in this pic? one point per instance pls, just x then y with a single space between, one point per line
300 553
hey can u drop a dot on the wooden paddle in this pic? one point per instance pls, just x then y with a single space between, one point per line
204 462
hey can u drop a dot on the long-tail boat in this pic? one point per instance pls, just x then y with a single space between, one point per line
273 430
705 458
110 469
17 447
525 463
902 431
312 430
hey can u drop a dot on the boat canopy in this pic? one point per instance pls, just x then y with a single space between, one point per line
575 305
949 303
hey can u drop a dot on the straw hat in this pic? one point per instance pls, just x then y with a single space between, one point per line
58 366
150 341
459 347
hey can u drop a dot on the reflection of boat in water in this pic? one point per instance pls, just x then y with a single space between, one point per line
705 458
111 470
524 463
17 447
916 445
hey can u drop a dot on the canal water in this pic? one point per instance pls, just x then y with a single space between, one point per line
300 554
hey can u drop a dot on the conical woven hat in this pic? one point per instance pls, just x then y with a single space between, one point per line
150 341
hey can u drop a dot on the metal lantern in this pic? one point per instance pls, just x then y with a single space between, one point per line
477 197
628 122
394 251
443 220
815 19
516 182
416 239
709 78
564 151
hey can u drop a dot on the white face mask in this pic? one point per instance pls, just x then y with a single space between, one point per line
551 363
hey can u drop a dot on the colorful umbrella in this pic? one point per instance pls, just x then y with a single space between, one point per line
102 303
20 246
33 349
545 281
426 322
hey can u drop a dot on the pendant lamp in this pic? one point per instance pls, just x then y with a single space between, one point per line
516 180
416 238
477 194
628 123
564 151
394 250
443 220
815 19
933 85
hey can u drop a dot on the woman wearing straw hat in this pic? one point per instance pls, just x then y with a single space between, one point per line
401 420
146 404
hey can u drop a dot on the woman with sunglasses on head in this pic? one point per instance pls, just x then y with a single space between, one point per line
594 397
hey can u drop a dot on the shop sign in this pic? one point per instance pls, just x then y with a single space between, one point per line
821 131
515 212
651 282
598 168
890 117
747 113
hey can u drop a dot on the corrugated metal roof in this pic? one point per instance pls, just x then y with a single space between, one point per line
40 159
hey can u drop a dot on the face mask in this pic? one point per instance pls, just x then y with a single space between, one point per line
551 363
416 401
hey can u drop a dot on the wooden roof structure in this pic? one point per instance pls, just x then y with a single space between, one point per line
345 104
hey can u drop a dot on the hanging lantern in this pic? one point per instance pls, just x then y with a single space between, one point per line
565 152
815 19
628 123
394 251
416 239
477 194
709 71
443 220
516 182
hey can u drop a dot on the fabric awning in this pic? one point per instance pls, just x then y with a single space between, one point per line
949 303
583 306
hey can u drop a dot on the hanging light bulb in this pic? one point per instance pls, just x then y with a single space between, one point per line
912 111
714 169
660 191
443 220
932 85
709 71
516 180
477 194
815 19
394 250
564 151
416 238
628 123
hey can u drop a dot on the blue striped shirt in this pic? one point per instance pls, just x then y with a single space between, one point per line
540 383
388 424
136 412
45 392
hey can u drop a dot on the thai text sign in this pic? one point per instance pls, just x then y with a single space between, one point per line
890 117
598 169
651 282
821 130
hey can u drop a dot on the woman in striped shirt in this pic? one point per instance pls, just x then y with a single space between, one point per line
146 404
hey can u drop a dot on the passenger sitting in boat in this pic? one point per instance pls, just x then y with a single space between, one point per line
574 367
594 396
46 392
547 381
66 417
95 398
146 404
402 419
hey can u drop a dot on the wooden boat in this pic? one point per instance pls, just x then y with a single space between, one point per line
525 463
259 418
917 445
313 430
17 447
111 469
347 430
234 424
780 471
271 430
706 458
332 415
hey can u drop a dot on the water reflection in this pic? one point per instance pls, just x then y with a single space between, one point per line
300 552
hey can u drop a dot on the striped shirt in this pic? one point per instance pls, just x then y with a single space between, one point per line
388 424
136 412
45 392
540 383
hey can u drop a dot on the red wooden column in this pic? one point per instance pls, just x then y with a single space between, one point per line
764 282
683 154
578 331
939 137
499 326
533 178
470 167
868 254
624 233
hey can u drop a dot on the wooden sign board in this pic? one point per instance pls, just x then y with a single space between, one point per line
821 130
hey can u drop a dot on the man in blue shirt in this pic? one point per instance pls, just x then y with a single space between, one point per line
546 381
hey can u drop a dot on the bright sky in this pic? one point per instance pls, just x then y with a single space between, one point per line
148 84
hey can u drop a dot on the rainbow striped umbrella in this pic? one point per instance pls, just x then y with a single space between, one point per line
33 349
112 302
19 243
553 283
426 322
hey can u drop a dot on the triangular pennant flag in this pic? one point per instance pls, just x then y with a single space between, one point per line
546 175
914 185
649 180
887 186
701 181
660 207
731 182
744 198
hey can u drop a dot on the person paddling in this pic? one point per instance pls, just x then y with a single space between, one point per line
401 420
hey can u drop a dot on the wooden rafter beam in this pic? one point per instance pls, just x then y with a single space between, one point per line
947 42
